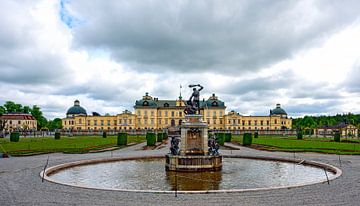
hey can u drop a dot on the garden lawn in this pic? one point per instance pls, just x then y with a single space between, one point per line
313 144
75 144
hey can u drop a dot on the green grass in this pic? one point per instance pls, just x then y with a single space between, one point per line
291 144
76 144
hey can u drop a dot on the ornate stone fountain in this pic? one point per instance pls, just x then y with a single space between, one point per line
193 150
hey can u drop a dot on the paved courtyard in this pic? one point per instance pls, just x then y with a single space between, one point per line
20 184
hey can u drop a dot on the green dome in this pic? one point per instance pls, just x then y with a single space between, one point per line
76 109
278 111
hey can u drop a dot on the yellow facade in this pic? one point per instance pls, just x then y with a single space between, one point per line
124 121
152 113
272 122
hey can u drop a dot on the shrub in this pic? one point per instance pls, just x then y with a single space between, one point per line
227 137
150 139
122 139
57 135
247 139
160 137
14 136
220 138
256 134
337 136
299 134
104 135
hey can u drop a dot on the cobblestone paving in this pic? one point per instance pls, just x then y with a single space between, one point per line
20 184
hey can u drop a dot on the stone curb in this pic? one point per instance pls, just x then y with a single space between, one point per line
57 168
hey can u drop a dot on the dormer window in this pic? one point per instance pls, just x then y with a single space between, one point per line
166 105
214 104
146 103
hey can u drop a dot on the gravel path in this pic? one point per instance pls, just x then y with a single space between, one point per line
20 184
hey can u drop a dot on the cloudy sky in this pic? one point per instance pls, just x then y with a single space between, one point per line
251 54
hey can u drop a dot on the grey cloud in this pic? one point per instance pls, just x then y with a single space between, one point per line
218 36
24 59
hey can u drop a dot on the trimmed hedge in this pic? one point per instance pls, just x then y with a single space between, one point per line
57 135
337 136
150 139
160 137
227 137
122 139
220 138
299 134
14 136
247 139
104 135
256 135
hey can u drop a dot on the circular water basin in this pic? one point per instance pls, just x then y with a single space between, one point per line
149 175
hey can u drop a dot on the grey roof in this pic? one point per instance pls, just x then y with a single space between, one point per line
76 109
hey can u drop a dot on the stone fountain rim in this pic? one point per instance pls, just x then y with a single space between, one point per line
57 168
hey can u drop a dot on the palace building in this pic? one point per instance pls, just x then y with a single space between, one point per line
18 122
154 113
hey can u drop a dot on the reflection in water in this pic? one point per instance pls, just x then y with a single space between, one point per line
151 175
194 180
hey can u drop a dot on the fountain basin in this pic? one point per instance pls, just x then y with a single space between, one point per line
146 174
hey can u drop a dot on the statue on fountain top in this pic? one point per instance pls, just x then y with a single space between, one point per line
193 104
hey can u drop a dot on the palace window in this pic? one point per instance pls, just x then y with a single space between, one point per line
261 122
166 105
166 113
120 121
180 114
130 122
275 121
243 122
95 122
159 121
220 113
249 122
267 122
139 113
172 113
145 113
166 121
88 122
80 121
255 122
146 103
102 122
152 113
214 114
208 113
115 122
108 122
152 121
221 121
159 113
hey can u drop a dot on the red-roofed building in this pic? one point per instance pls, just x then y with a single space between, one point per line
19 121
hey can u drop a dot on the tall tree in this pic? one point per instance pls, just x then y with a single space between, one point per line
37 114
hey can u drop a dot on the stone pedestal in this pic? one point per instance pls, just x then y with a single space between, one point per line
194 155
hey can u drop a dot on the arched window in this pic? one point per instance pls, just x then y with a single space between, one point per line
146 103
166 105
214 104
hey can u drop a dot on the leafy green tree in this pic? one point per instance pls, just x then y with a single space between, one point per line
26 109
2 110
37 114
55 124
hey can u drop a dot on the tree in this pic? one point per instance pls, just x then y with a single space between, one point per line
37 114
2 110
55 124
